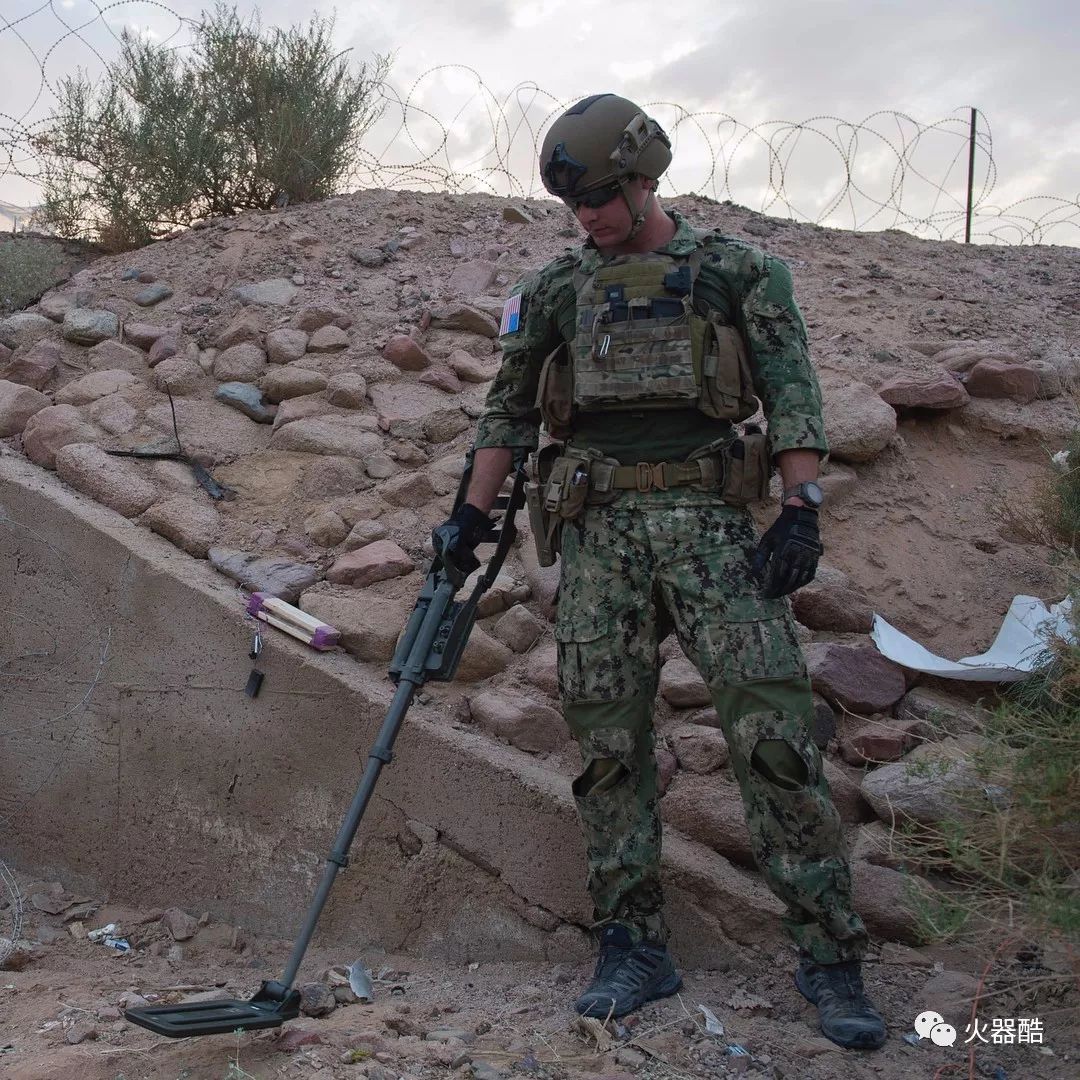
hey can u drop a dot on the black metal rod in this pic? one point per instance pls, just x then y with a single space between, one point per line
971 176
413 675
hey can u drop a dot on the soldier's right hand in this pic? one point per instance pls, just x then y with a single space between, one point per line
456 538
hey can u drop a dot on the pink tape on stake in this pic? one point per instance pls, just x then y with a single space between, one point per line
299 624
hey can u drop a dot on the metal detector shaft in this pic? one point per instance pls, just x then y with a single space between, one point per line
413 675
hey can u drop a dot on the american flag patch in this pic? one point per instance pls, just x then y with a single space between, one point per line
511 316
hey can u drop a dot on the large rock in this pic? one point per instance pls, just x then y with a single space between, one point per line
995 379
364 532
112 481
374 562
846 795
709 809
286 345
483 657
326 528
411 490
55 305
116 356
528 725
1050 382
282 383
86 326
35 366
342 436
542 670
856 677
940 713
858 424
442 379
699 749
116 415
461 316
192 526
369 626
167 345
208 427
274 292
927 789
882 740
682 686
17 404
240 363
886 901
275 575
153 294
406 353
24 328
97 384
52 428
934 390
820 606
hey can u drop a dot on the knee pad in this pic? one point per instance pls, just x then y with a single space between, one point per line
781 764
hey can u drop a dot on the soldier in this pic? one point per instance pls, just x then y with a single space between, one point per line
641 350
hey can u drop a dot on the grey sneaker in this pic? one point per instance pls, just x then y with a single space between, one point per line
627 975
847 1017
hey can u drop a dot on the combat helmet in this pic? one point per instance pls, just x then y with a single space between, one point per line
597 145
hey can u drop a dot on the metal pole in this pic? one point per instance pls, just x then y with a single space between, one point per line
971 176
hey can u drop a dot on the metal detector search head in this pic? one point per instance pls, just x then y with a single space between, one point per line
270 1007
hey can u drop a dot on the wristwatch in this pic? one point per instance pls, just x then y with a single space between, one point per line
808 491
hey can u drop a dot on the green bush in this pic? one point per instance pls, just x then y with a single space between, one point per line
27 269
246 118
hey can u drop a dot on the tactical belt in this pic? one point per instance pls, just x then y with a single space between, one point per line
707 471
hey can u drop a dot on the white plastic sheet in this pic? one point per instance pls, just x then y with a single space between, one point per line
1017 651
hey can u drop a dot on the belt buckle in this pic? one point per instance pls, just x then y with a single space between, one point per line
649 476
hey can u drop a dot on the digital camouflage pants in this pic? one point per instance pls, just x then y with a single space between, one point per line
631 571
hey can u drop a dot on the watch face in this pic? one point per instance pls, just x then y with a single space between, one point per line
811 493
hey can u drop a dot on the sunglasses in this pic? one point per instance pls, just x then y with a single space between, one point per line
594 199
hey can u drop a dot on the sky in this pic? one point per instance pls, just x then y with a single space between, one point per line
491 73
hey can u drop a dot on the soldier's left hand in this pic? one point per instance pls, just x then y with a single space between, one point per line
787 554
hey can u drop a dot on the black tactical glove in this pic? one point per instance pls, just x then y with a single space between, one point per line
456 538
787 555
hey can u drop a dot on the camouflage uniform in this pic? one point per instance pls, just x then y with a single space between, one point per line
653 561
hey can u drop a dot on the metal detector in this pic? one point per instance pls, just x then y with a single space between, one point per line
430 649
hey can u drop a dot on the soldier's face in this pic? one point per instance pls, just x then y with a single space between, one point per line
609 224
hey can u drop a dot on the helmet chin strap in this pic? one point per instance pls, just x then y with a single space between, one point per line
637 214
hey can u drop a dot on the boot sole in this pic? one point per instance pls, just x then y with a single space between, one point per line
601 1011
863 1040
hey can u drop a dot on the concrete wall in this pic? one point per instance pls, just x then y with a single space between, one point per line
134 766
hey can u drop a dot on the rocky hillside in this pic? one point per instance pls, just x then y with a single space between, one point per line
326 364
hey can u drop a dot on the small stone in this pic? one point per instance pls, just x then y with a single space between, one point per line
442 379
50 429
328 339
483 657
293 1038
274 575
462 316
96 385
516 215
412 490
55 305
79 1033
285 346
998 379
24 328
84 326
469 369
180 924
312 318
190 525
405 353
936 390
364 533
113 482
179 376
443 425
528 725
282 383
1050 384
368 625
347 391
469 279
143 335
519 629
247 326
240 363
326 528
165 346
682 686
248 399
858 678
369 258
317 999
379 465
153 294
275 292
699 749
